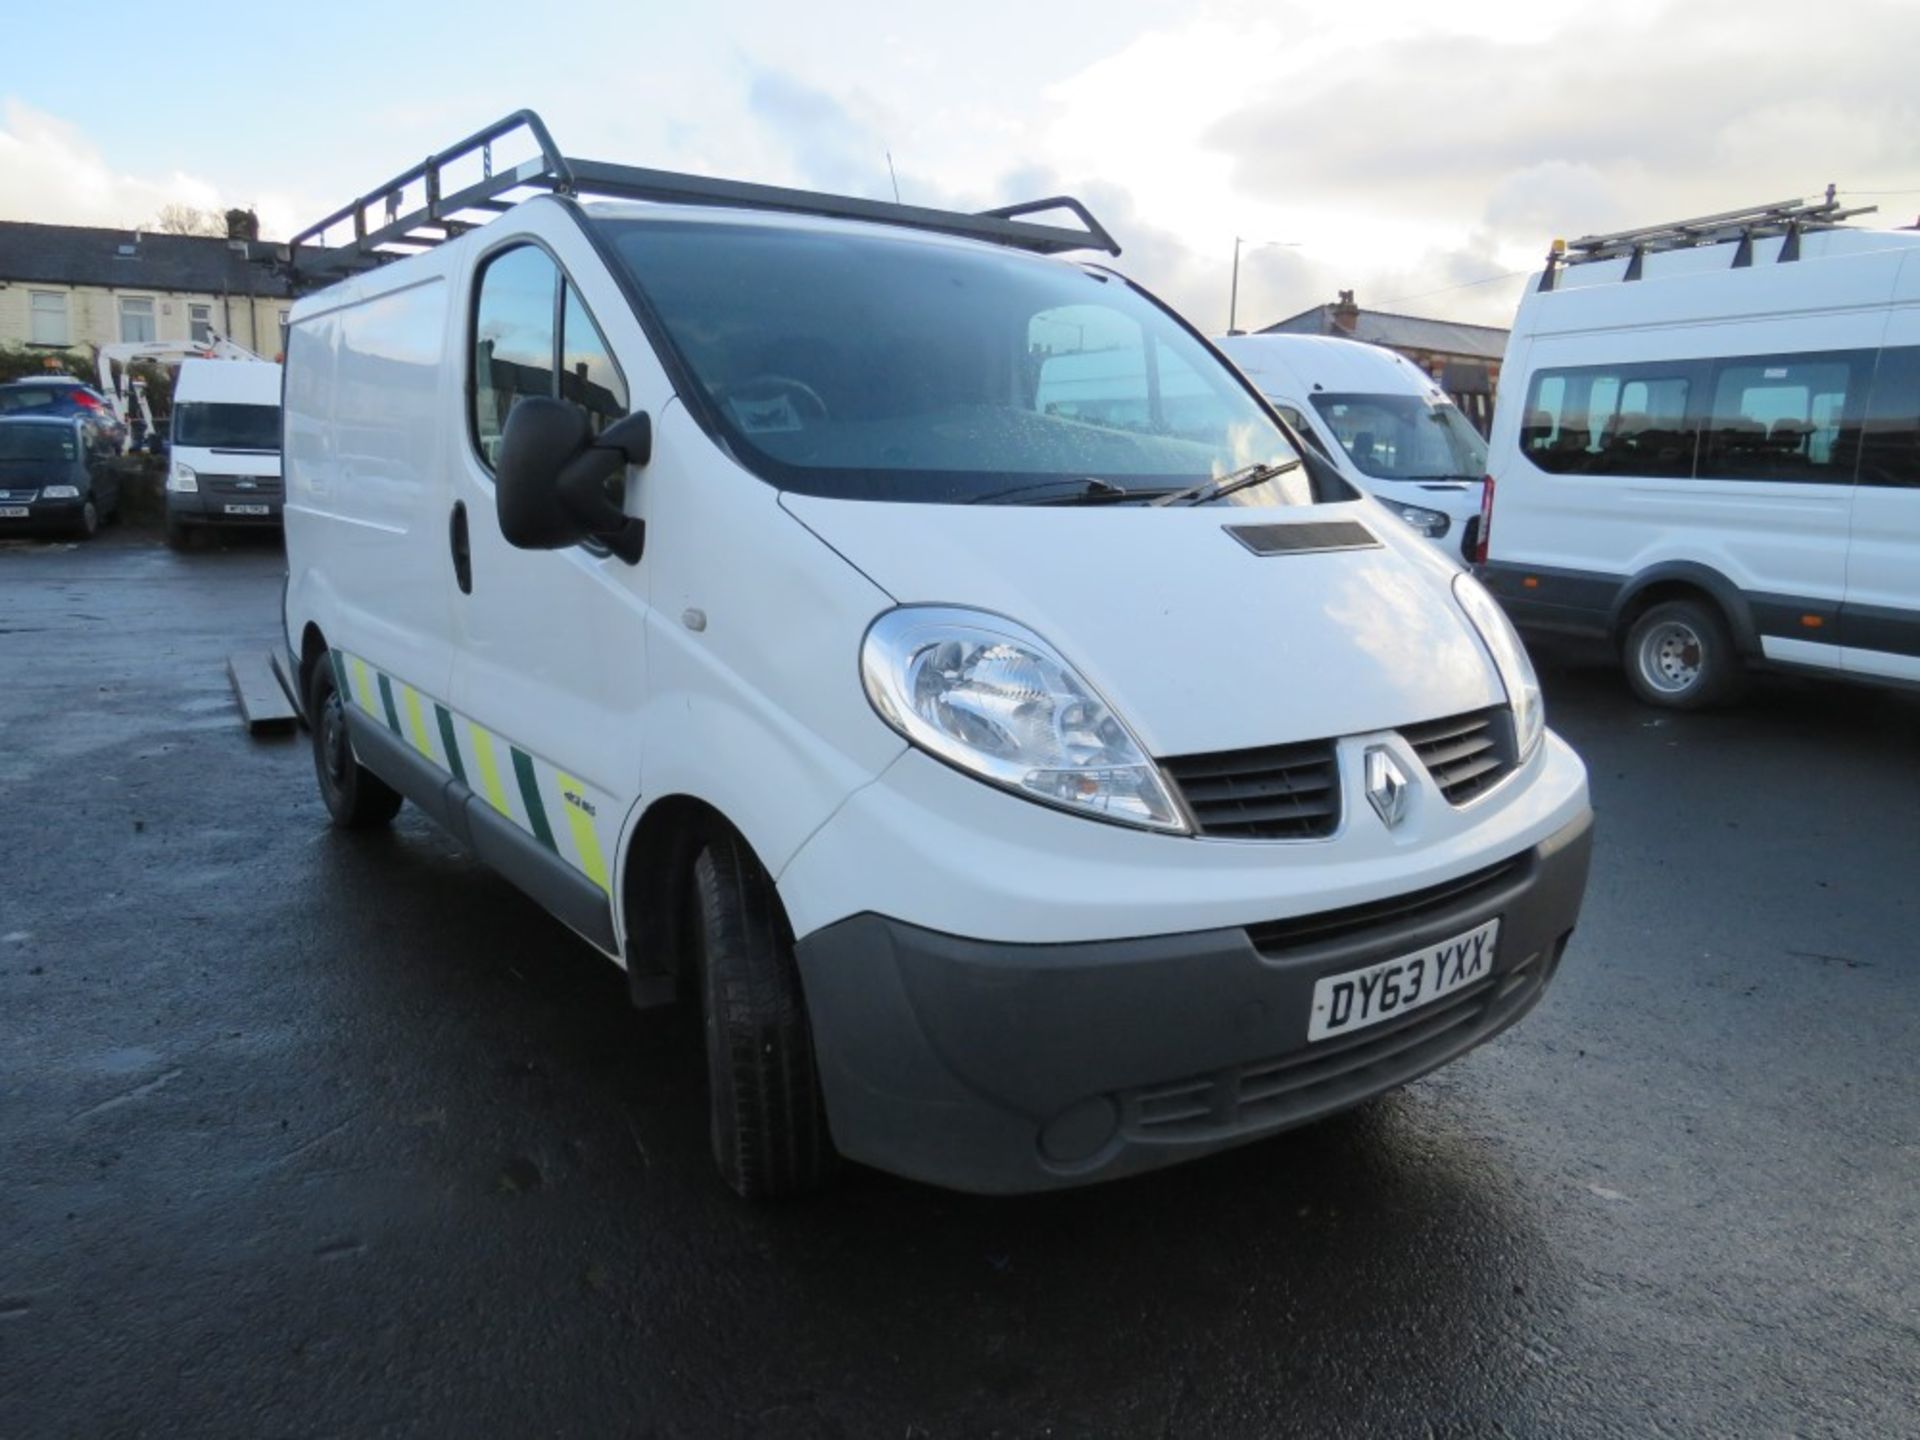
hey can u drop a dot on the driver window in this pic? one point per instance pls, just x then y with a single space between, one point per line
513 339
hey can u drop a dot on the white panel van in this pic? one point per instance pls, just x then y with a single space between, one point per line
1033 780
1707 453
1392 431
224 448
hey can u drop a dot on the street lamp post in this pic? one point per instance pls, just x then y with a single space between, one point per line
1233 297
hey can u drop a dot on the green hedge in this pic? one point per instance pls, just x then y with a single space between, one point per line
18 362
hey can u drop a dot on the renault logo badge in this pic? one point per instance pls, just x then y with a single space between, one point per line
1387 787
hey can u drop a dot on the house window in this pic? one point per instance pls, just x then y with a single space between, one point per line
49 317
200 321
136 318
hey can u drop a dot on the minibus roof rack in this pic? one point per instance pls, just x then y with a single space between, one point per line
381 232
1788 218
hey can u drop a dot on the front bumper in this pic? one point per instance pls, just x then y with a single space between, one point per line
1003 1068
204 508
42 515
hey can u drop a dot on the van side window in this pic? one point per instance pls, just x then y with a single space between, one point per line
1890 446
1610 420
513 339
588 376
1786 417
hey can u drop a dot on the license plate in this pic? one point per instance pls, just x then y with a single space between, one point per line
14 512
249 509
1359 998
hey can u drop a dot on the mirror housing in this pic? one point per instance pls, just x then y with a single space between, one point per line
549 481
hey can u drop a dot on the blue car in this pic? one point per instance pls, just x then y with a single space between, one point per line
62 395
57 473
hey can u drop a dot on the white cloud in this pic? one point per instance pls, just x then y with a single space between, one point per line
51 172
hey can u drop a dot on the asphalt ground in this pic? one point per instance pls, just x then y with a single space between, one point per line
304 1133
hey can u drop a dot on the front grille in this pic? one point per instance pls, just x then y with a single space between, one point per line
1277 792
16 497
1268 1094
1275 938
1467 755
264 487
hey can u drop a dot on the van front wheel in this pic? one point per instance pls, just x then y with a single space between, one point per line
1681 656
767 1119
357 799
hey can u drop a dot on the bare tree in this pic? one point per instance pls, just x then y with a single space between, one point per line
178 219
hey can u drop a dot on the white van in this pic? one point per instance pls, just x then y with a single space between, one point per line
1707 452
1029 799
1392 431
224 451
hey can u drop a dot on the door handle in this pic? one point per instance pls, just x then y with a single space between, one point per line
462 552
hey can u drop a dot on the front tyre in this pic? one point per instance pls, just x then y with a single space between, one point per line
768 1122
356 798
88 525
1680 655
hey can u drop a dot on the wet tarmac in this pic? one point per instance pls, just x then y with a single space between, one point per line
312 1134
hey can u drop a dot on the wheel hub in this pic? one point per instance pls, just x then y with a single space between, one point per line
1671 657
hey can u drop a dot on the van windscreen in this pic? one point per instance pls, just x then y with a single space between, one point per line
868 365
1404 437
222 425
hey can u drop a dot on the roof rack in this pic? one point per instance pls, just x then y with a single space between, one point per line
1788 218
439 215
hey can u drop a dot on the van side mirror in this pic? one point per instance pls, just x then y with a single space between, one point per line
550 478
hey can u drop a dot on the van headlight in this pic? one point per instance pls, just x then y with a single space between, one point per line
1431 523
182 478
1509 658
992 698
60 492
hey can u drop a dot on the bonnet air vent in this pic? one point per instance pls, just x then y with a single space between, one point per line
1308 538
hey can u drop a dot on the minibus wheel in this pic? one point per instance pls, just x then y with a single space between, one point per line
1679 654
766 1118
356 798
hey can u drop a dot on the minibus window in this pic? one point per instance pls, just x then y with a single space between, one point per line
1610 420
1890 447
874 365
1785 417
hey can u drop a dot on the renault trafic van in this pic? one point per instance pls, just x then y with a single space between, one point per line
1026 798
224 448
1374 413
1707 452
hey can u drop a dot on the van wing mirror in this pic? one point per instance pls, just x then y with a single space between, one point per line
550 478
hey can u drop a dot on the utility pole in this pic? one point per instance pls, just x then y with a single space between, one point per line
1233 296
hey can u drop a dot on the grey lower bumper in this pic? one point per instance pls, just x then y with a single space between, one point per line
1006 1068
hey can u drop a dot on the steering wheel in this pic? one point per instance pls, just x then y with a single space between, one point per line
762 387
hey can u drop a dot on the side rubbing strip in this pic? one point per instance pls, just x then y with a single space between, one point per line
416 723
489 771
454 763
363 687
530 797
386 699
585 843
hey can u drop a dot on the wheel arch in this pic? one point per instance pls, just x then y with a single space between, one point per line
1684 580
313 649
655 892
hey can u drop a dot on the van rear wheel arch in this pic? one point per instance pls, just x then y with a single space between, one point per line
1684 580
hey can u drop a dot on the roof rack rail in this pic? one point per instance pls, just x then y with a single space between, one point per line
439 215
1788 218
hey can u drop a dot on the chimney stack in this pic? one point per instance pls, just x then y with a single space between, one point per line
243 225
1346 314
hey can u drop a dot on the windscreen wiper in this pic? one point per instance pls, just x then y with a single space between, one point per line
1226 484
1092 490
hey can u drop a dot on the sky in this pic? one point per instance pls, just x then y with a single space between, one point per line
1423 156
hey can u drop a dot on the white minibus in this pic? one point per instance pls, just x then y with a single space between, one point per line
1031 785
1707 452
223 463
1392 431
